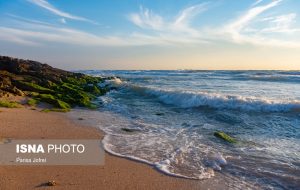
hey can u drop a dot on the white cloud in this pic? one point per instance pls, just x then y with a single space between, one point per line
172 31
19 18
6 35
62 20
29 33
281 23
186 15
249 28
251 14
180 30
241 30
46 5
147 19
257 2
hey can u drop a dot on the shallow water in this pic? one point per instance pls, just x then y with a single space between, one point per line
175 113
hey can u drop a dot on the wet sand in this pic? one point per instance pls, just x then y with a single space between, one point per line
116 173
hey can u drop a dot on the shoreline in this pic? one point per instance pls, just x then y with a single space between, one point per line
116 173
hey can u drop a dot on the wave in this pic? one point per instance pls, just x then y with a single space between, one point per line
277 78
271 76
189 99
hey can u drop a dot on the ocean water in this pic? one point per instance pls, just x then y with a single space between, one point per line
174 114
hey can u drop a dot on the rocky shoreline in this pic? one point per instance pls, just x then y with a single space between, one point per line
43 83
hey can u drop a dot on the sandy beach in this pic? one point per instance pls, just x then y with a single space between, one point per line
150 95
116 173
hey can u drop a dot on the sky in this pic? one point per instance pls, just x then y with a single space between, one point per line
153 34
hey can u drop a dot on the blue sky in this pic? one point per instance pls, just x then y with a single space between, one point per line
151 34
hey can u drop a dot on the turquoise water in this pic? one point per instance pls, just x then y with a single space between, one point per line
175 113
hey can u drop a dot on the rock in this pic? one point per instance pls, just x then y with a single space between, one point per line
18 91
225 137
5 140
4 93
62 89
51 183
129 130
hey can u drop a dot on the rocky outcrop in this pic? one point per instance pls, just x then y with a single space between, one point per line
62 89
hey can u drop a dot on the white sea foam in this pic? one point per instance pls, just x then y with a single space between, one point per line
218 161
189 99
164 166
117 80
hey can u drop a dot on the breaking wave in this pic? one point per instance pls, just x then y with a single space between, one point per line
189 99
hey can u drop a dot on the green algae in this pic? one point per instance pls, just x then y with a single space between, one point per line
9 104
48 98
225 137
32 102
33 87
55 110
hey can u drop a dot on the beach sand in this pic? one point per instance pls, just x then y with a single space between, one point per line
116 173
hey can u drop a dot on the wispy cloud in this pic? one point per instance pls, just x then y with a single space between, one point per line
26 20
46 5
243 30
37 34
58 35
187 14
147 19
177 30
251 27
281 24
251 14
257 2
6 35
180 30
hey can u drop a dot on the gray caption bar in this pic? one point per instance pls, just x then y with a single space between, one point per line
51 152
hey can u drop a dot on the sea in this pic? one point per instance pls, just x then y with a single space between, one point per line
167 119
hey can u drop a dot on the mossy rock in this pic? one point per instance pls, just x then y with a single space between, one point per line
17 91
55 110
9 104
48 98
225 137
45 110
29 93
93 89
63 105
32 102
93 106
62 89
32 87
